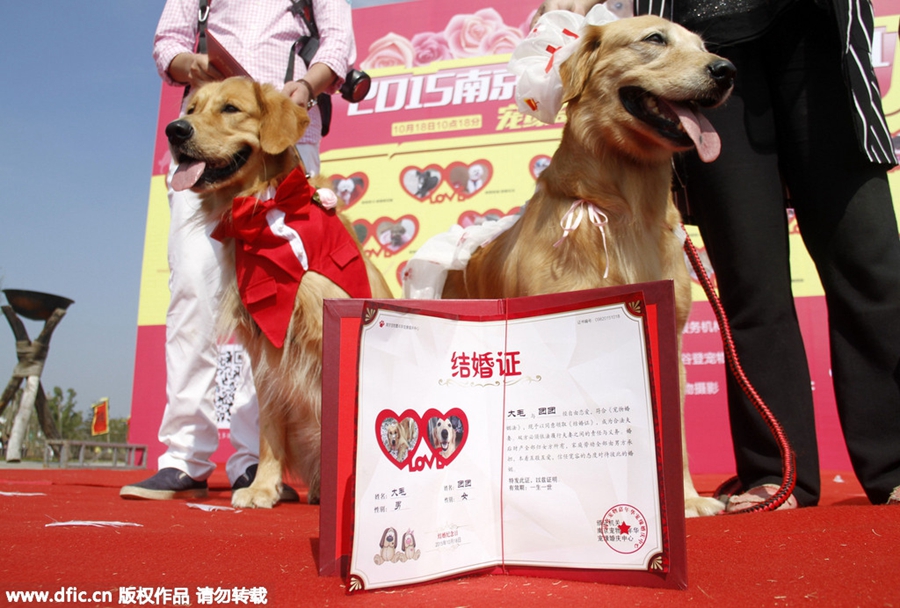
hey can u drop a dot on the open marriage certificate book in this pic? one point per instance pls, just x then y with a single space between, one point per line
523 436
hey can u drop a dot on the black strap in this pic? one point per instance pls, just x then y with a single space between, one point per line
202 16
306 47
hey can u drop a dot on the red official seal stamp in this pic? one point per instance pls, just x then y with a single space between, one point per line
624 529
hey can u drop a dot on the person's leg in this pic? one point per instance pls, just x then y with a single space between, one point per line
846 216
188 427
738 204
244 424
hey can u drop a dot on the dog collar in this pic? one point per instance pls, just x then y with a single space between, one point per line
572 219
277 240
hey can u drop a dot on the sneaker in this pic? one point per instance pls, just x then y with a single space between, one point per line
755 496
167 484
288 494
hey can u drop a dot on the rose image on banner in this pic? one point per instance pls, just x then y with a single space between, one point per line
481 33
388 51
467 35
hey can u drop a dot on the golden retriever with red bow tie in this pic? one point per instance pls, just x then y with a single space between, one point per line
290 250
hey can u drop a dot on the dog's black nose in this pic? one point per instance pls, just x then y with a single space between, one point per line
722 71
179 131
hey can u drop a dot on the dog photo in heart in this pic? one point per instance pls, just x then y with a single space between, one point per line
421 182
394 235
470 178
446 433
350 189
474 218
399 436
538 164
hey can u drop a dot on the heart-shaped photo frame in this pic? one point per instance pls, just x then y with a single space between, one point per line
476 218
395 234
537 165
398 436
469 179
363 229
350 189
421 183
445 433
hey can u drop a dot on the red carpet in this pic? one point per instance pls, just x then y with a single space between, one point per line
842 553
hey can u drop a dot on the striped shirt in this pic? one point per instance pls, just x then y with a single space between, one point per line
856 21
259 35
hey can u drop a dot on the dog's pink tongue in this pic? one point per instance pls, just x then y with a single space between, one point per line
187 174
700 130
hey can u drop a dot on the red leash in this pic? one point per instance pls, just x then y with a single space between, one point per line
788 467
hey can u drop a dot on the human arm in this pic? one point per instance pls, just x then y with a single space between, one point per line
173 46
334 57
320 78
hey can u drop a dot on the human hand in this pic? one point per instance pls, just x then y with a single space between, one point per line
194 69
576 6
299 91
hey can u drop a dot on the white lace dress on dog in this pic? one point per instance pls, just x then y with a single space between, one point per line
535 62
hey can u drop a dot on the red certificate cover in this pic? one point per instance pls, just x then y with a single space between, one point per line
221 59
536 436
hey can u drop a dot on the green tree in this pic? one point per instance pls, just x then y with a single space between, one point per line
71 423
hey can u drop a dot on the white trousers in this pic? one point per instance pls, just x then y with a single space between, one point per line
188 428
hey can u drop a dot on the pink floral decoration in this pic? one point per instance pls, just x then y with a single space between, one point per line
465 33
525 28
327 198
501 41
388 51
429 47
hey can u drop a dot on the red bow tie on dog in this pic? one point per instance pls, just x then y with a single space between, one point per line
277 241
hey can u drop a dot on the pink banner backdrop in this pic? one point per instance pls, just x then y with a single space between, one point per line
439 141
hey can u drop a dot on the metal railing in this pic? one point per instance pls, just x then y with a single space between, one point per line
67 453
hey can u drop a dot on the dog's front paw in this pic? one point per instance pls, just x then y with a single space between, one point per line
702 506
255 498
312 496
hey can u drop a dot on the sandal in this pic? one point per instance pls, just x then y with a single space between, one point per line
729 493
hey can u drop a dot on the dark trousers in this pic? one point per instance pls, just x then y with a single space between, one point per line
790 119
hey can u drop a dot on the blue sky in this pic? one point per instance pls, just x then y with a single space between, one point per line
77 125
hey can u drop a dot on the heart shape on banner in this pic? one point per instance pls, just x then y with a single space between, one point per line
538 164
469 178
399 435
420 183
392 234
350 189
474 218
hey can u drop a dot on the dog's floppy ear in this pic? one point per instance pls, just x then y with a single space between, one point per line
576 70
282 122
